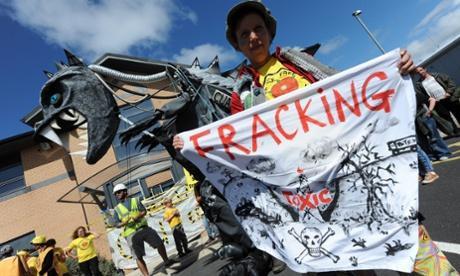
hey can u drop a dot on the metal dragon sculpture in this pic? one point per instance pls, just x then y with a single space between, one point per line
78 96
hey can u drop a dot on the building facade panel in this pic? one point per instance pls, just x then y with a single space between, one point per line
40 165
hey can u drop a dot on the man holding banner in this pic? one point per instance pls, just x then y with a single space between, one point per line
130 215
320 177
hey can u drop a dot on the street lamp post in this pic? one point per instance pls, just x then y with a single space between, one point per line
356 15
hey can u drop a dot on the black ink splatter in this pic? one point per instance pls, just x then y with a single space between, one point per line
261 165
354 260
360 242
246 208
398 246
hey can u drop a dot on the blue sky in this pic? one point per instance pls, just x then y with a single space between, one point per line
34 33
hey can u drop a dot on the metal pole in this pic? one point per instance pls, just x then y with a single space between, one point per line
356 15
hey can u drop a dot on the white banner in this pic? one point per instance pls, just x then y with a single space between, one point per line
323 178
192 222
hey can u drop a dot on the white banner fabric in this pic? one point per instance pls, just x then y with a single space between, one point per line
323 178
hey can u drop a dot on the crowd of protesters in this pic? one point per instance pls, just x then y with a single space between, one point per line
44 259
47 259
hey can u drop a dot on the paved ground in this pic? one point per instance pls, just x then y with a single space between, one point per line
438 202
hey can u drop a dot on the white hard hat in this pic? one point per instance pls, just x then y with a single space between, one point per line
119 187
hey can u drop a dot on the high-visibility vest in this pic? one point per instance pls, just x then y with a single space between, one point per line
125 214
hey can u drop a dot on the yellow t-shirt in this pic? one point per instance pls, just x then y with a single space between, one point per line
175 220
85 248
277 80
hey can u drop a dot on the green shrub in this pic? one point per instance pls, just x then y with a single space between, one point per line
107 267
72 265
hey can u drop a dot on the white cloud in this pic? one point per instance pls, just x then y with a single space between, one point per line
332 44
103 26
436 29
205 54
435 13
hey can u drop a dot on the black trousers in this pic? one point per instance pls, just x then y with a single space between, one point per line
444 107
217 210
90 267
180 239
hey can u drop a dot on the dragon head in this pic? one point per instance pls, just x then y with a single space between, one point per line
75 98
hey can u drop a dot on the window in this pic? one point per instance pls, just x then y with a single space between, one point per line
161 188
11 175
134 189
21 242
135 115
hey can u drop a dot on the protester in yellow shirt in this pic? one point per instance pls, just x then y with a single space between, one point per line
86 252
44 264
172 216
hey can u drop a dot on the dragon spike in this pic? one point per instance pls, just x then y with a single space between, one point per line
48 74
196 63
312 49
59 66
214 66
72 59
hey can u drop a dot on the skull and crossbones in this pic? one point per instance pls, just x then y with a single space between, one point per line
312 239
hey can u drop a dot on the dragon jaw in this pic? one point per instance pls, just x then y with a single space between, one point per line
75 100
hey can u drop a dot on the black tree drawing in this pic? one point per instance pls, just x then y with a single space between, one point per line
370 174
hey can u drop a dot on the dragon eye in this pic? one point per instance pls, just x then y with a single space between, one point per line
56 99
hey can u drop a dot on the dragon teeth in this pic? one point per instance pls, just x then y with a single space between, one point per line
66 117
49 133
82 126
72 112
54 125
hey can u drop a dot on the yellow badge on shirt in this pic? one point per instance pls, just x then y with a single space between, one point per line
277 80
